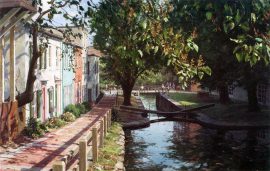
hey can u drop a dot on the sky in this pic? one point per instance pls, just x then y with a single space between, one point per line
59 20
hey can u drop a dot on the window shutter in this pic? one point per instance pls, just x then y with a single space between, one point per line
39 93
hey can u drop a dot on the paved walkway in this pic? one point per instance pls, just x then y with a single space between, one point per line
41 153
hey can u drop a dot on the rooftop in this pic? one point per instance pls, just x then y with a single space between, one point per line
91 51
23 4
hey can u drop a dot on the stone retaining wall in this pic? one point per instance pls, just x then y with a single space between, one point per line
119 166
163 103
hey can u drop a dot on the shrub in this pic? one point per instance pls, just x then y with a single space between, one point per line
72 109
55 122
68 117
35 128
81 108
87 106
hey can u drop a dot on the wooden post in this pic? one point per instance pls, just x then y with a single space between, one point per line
12 64
83 155
2 70
110 118
105 125
59 166
102 133
95 144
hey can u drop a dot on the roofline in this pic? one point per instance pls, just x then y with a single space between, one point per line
26 5
60 38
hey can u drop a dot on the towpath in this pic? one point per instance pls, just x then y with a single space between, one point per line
42 153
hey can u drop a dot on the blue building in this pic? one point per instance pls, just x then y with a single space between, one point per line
68 74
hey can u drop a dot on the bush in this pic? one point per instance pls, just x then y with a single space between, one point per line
55 122
87 106
35 128
68 117
81 108
72 109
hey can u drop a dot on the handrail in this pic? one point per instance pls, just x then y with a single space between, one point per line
95 137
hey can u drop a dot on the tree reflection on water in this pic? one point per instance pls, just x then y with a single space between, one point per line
173 145
188 146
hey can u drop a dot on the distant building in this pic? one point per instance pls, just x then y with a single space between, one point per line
263 93
74 55
92 74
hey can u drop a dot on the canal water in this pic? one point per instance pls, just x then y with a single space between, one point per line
174 145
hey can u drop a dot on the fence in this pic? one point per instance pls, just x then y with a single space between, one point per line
88 146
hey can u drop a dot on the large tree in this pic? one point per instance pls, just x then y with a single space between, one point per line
226 29
44 19
136 37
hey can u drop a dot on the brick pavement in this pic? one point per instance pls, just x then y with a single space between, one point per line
41 153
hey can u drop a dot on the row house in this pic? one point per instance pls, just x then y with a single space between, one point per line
67 71
91 73
48 86
12 12
59 72
59 75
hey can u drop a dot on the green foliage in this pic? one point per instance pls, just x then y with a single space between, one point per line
110 152
81 108
72 109
68 117
78 109
139 38
35 128
55 122
227 32
245 23
149 78
86 105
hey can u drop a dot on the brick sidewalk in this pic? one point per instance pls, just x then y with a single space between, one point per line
41 153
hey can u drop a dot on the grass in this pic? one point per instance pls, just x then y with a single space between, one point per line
236 111
108 155
190 99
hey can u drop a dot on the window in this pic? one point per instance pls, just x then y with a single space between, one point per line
51 102
43 60
97 92
57 62
95 67
30 50
49 50
88 67
230 89
261 93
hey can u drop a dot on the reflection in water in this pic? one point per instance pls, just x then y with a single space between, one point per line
174 145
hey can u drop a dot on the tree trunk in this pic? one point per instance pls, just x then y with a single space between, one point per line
223 94
28 95
127 89
253 105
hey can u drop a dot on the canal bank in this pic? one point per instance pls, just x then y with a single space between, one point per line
131 119
111 155
177 145
165 103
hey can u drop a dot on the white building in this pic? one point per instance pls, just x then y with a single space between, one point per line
91 73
